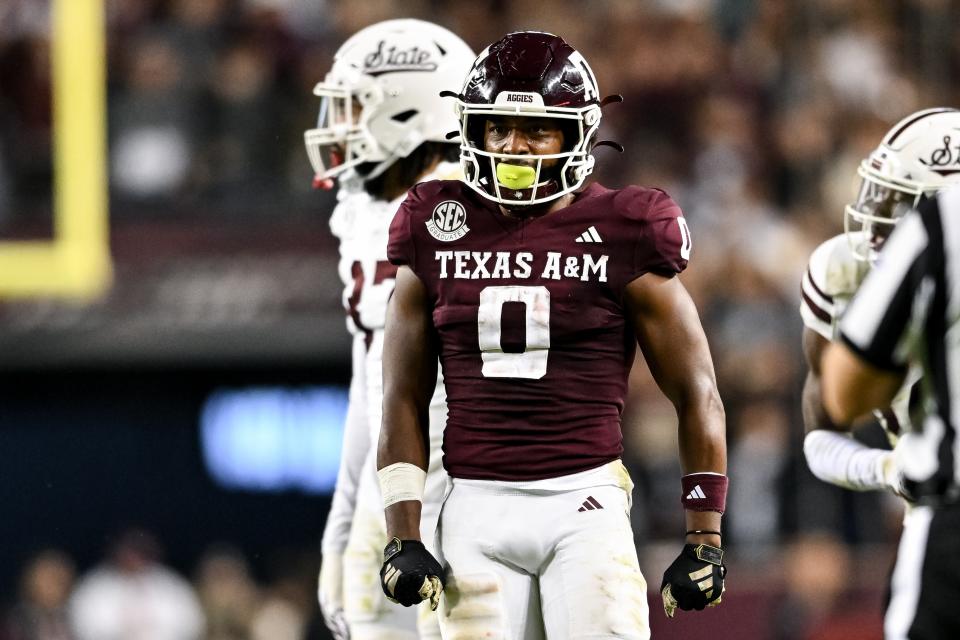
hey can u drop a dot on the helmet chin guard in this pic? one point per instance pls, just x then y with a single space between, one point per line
546 183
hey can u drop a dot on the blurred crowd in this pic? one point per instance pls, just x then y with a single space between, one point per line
133 595
753 114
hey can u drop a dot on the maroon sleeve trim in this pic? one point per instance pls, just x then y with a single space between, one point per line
813 283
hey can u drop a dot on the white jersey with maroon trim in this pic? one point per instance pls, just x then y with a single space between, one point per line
355 524
361 223
833 275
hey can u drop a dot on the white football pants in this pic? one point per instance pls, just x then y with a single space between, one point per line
548 559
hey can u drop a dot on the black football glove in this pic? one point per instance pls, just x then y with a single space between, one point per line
694 580
410 574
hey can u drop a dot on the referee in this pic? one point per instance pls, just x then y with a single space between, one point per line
908 312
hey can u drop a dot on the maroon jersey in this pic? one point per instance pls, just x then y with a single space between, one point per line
535 344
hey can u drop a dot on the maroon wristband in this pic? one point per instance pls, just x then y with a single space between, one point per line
704 492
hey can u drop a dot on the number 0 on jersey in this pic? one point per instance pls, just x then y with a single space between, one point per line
532 361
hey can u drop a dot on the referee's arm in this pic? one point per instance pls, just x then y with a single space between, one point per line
866 367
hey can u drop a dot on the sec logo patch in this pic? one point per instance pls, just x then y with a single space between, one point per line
448 222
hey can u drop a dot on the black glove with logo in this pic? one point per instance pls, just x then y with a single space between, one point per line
694 580
410 574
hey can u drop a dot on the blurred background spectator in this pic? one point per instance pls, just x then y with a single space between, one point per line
228 593
132 596
40 613
753 114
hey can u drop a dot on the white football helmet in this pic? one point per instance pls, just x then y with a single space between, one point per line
381 99
919 156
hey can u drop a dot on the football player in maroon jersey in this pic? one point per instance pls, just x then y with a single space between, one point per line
534 290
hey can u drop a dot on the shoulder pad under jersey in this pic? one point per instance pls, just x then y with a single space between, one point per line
349 211
655 222
415 210
445 171
833 275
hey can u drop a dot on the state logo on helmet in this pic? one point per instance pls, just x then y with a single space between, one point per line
919 156
381 98
534 74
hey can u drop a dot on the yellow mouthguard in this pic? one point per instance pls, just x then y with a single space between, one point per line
515 176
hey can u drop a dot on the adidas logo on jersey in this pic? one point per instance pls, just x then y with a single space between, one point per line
590 504
696 494
590 235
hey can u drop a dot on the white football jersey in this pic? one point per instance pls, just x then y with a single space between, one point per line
362 223
832 278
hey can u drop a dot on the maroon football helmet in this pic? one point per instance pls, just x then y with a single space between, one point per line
536 74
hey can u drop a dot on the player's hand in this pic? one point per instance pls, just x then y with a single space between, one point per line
330 595
893 477
410 574
694 580
893 468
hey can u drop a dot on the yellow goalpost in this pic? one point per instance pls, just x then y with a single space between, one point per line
76 262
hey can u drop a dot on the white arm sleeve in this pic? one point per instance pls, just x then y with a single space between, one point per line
839 459
356 444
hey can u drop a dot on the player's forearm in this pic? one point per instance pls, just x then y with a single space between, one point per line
839 459
703 450
403 520
702 431
402 440
852 387
814 415
701 525
409 378
404 433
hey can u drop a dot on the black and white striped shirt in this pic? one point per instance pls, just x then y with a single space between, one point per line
908 311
